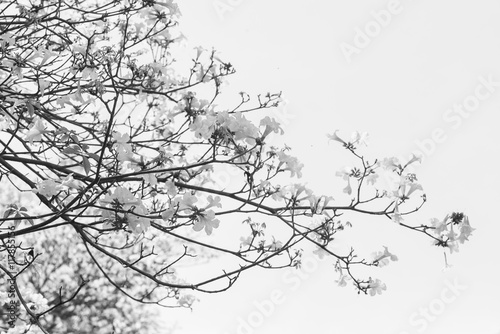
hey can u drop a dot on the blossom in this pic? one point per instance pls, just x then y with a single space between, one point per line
439 225
465 230
396 216
47 188
150 178
186 300
4 297
382 258
345 173
414 158
335 137
413 187
122 147
213 202
168 214
36 131
390 163
206 220
244 129
203 125
123 196
246 241
359 138
275 245
124 200
4 122
36 302
271 126
187 201
154 14
239 126
318 204
137 223
320 252
372 178
453 246
342 281
376 287
292 164
42 85
18 329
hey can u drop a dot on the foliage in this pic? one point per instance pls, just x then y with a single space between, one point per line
58 272
108 129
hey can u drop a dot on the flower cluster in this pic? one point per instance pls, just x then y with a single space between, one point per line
122 207
451 231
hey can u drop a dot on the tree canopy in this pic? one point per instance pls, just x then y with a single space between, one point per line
121 145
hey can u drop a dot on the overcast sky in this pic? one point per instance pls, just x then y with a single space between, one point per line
418 76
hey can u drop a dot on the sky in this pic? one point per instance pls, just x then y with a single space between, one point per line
420 77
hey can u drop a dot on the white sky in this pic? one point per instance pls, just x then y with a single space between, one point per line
398 88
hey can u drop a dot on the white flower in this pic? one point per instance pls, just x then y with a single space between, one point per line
342 281
465 230
206 220
3 297
18 329
318 204
246 241
36 302
47 188
213 202
439 225
382 258
359 138
171 188
186 203
372 178
389 163
320 252
345 174
271 126
122 147
4 122
186 300
335 137
128 202
203 126
168 214
414 158
138 224
150 178
36 131
291 163
376 287
276 245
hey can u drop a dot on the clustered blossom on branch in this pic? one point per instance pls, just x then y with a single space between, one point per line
121 145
